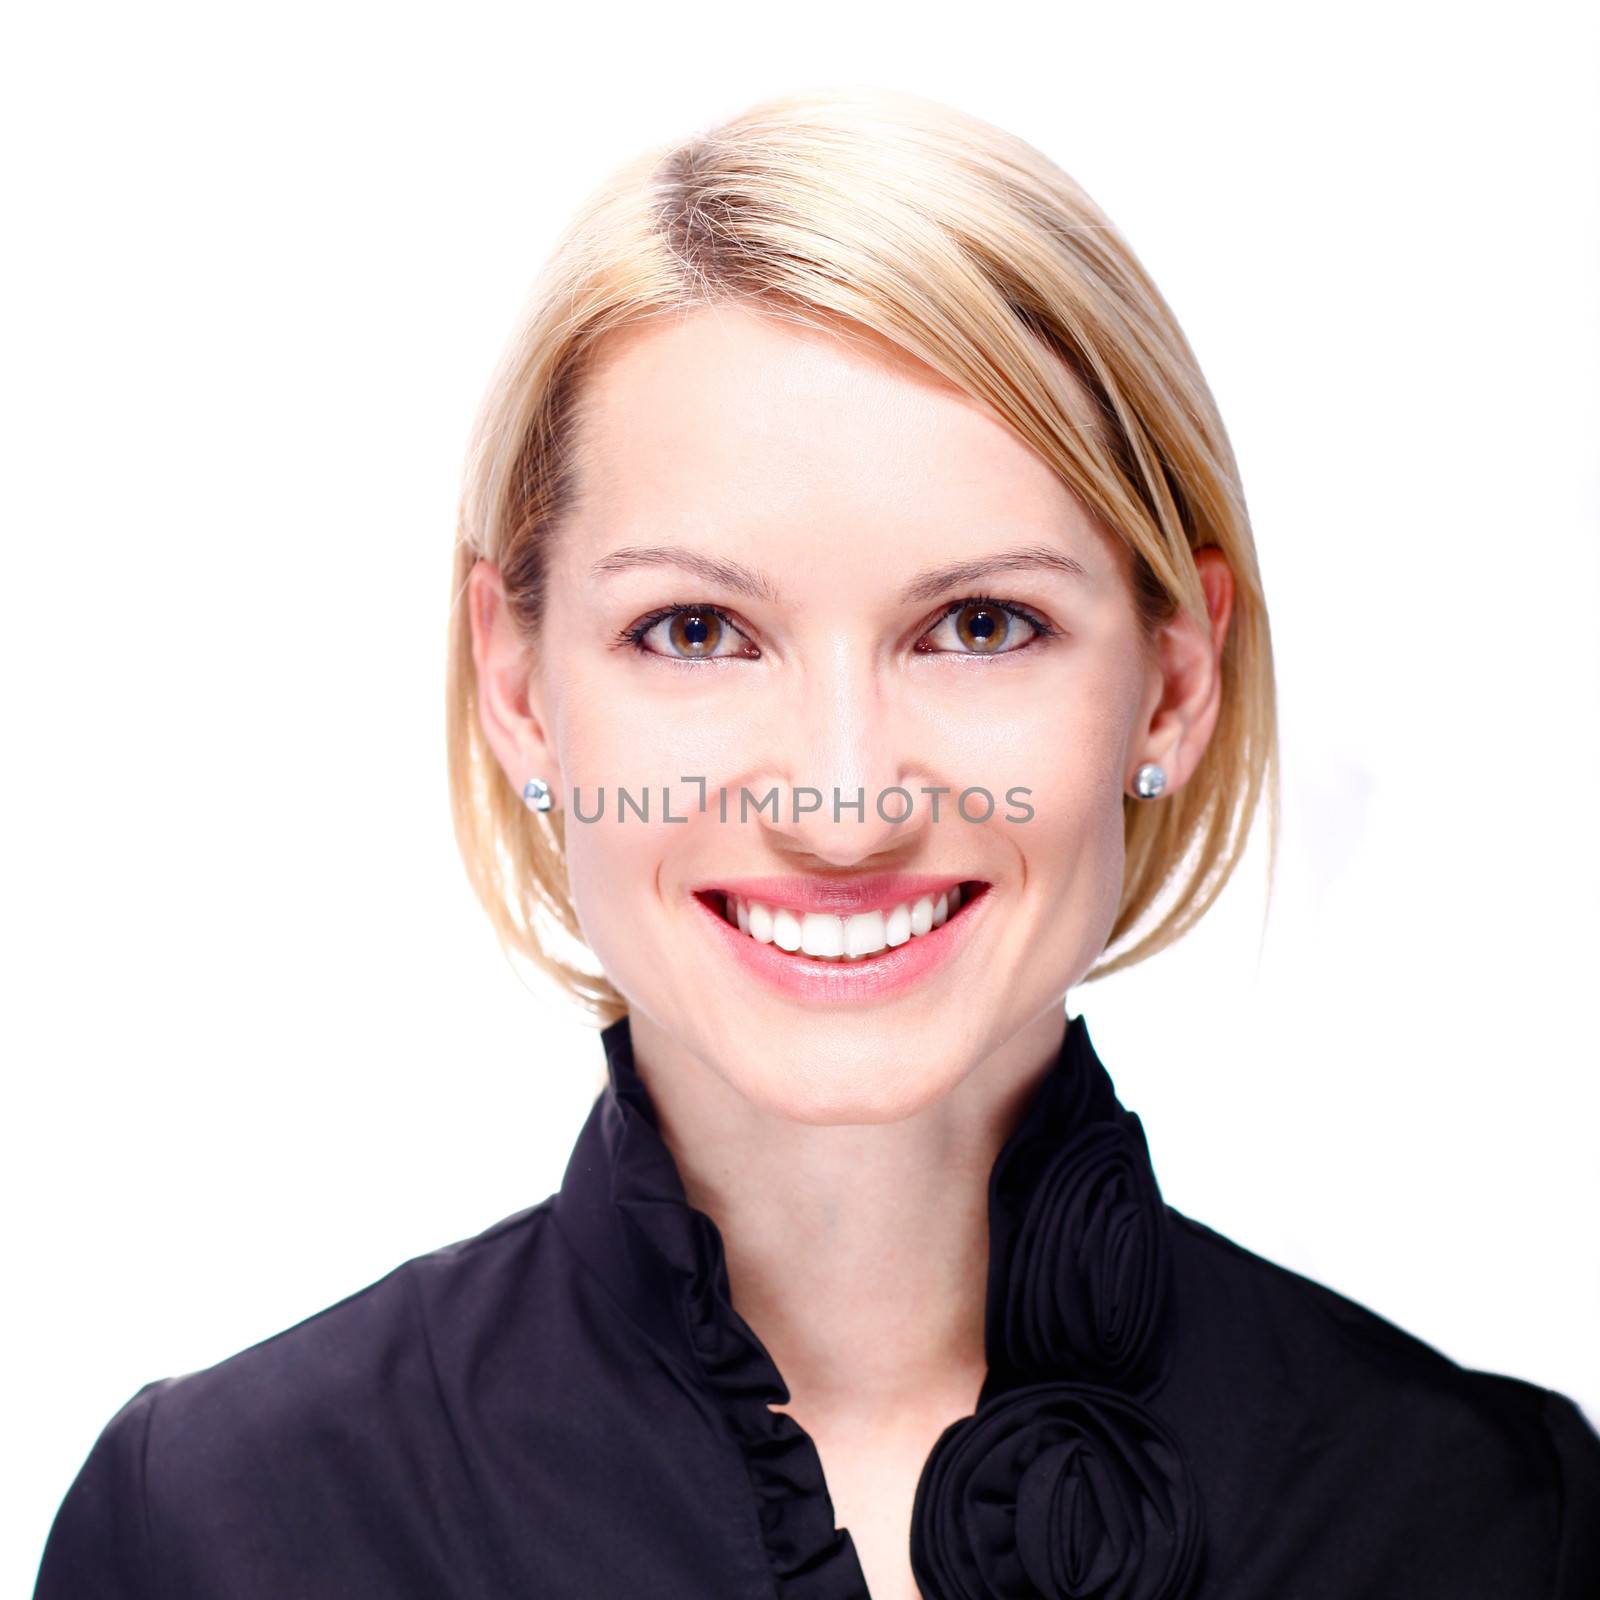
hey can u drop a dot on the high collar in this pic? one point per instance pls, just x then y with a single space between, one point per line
1075 1163
1076 1307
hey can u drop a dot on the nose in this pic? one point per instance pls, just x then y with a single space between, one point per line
849 760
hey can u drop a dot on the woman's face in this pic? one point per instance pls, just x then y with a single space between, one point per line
811 503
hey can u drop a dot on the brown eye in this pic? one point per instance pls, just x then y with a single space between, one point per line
983 628
694 633
979 627
689 633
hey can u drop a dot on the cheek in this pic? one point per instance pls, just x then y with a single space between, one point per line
644 727
1064 742
615 736
1073 847
612 870
1069 747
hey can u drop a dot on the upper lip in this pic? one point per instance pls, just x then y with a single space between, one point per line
842 897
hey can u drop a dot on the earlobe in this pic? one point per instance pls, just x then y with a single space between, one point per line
1149 781
536 795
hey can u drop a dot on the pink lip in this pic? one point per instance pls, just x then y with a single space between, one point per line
846 982
842 896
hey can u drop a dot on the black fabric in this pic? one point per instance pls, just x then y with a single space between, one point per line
568 1407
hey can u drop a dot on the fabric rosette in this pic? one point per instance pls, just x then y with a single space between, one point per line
1056 1491
1085 1287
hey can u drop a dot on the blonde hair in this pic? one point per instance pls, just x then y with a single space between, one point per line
964 246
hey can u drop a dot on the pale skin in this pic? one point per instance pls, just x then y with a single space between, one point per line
844 1154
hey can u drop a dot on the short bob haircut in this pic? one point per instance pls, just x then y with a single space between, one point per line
962 245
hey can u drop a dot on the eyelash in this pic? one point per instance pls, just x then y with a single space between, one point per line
634 635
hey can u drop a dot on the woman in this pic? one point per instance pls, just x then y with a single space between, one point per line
856 632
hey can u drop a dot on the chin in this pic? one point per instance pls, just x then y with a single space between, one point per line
851 1088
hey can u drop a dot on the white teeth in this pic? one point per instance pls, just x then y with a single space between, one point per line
863 935
826 937
821 935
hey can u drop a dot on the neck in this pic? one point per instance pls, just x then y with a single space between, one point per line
857 1253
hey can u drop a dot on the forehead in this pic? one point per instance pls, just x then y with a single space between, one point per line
727 406
828 464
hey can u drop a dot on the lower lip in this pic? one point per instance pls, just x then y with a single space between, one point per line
847 982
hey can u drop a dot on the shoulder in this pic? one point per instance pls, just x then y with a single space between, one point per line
1373 1424
363 1391
391 1341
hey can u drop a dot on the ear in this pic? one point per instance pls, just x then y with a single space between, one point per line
1180 710
510 707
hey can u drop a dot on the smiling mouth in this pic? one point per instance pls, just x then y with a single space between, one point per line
828 939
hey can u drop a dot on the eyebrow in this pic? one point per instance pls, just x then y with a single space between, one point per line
931 584
709 569
757 586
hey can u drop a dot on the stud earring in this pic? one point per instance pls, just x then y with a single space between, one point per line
1150 780
536 795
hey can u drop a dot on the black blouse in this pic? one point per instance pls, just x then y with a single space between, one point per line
567 1407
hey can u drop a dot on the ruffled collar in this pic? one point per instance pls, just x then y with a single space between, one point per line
1062 1483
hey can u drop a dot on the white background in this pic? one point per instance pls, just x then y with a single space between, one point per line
260 1044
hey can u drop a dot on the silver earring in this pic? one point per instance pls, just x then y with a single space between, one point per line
536 795
1150 780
